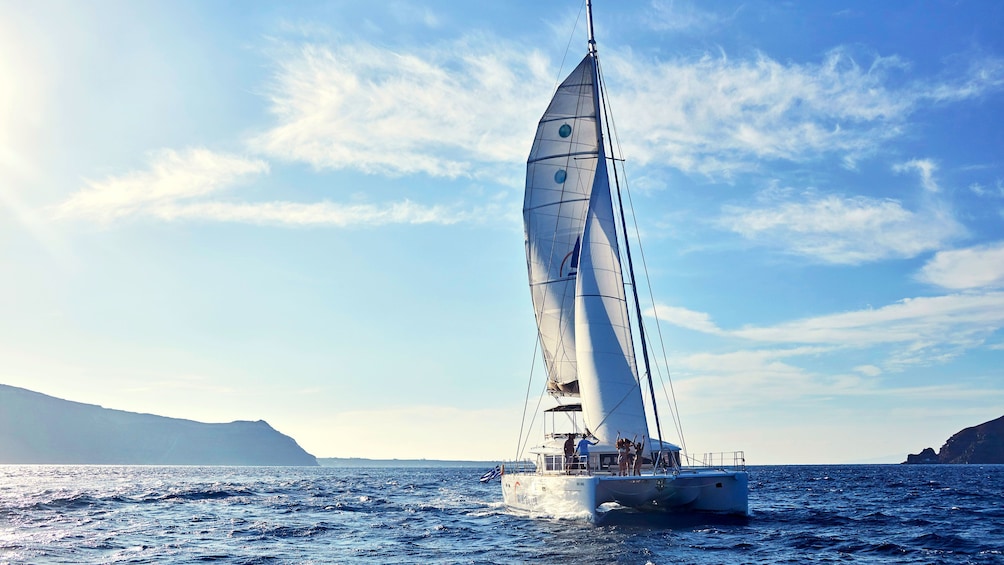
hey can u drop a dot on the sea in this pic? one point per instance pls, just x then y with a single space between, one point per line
251 515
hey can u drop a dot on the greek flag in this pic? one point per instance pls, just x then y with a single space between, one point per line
491 475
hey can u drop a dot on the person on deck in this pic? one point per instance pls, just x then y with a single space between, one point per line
583 449
623 447
569 452
639 449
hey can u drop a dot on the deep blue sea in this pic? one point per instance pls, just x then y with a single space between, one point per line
800 514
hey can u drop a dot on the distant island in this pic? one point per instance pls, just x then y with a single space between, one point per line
40 429
982 444
408 463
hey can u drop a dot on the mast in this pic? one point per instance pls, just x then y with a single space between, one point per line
620 205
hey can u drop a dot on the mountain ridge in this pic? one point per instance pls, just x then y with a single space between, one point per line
36 428
980 444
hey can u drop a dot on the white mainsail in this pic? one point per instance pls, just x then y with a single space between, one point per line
574 263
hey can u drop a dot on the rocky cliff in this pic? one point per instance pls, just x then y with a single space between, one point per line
36 428
979 444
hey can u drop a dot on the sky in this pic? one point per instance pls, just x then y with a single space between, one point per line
310 213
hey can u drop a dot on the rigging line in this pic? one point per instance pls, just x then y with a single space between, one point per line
616 406
533 419
601 88
671 396
522 421
568 47
522 441
674 409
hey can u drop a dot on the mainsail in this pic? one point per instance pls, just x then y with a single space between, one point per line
574 263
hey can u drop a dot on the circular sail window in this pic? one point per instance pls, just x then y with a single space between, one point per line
565 130
560 176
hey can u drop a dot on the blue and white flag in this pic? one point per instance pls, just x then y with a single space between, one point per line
491 475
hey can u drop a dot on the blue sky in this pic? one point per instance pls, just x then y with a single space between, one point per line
311 214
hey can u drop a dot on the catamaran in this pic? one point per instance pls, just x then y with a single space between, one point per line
574 256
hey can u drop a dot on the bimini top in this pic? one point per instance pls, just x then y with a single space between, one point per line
566 408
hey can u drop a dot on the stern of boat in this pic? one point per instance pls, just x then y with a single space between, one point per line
559 496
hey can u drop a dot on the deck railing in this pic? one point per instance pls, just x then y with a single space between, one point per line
725 460
731 460
520 466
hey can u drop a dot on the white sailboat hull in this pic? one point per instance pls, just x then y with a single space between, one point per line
578 496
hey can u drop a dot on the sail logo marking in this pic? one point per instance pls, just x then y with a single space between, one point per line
573 261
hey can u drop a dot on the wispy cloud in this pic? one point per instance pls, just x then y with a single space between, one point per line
922 330
314 214
922 319
838 229
440 112
454 107
924 167
172 176
466 108
680 15
868 370
960 269
918 331
764 378
997 191
743 377
189 184
718 116
409 13
684 318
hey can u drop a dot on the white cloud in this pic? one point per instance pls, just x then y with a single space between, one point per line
718 116
445 111
187 185
868 370
843 230
996 192
684 318
408 13
913 331
453 108
925 167
960 269
679 15
922 330
743 377
980 77
314 214
467 108
909 320
716 382
171 176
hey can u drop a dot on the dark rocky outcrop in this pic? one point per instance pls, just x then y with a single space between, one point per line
39 429
983 444
926 456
